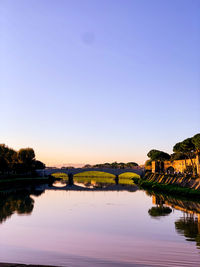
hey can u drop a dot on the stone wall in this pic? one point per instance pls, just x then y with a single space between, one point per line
180 180
177 165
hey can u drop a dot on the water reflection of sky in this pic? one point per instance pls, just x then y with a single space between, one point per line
79 228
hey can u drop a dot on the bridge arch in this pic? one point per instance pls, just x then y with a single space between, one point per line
74 171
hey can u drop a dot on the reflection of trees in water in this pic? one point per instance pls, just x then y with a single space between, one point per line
17 202
189 227
159 211
178 203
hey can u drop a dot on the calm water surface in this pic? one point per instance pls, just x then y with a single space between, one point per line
95 228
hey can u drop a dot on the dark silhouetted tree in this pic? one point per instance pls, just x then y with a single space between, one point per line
26 156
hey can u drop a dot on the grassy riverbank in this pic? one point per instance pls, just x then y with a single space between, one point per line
168 184
171 189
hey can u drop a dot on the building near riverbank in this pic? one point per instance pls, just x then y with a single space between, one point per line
176 166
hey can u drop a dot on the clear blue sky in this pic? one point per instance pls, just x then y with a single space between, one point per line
85 81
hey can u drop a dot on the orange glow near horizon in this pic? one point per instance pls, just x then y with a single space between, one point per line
55 154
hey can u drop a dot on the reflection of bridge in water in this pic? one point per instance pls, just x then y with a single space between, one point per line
89 187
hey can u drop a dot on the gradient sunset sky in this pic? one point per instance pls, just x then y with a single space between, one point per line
90 81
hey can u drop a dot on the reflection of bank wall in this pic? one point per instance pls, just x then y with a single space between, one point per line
188 207
177 165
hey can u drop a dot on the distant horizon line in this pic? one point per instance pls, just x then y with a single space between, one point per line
80 165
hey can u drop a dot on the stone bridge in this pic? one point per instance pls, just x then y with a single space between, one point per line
71 172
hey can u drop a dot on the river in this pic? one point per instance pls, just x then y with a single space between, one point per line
116 227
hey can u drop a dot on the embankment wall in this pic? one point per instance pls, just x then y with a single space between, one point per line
170 179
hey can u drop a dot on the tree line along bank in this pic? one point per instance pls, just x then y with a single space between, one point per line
185 157
14 162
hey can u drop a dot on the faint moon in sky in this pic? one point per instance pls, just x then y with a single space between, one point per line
88 38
